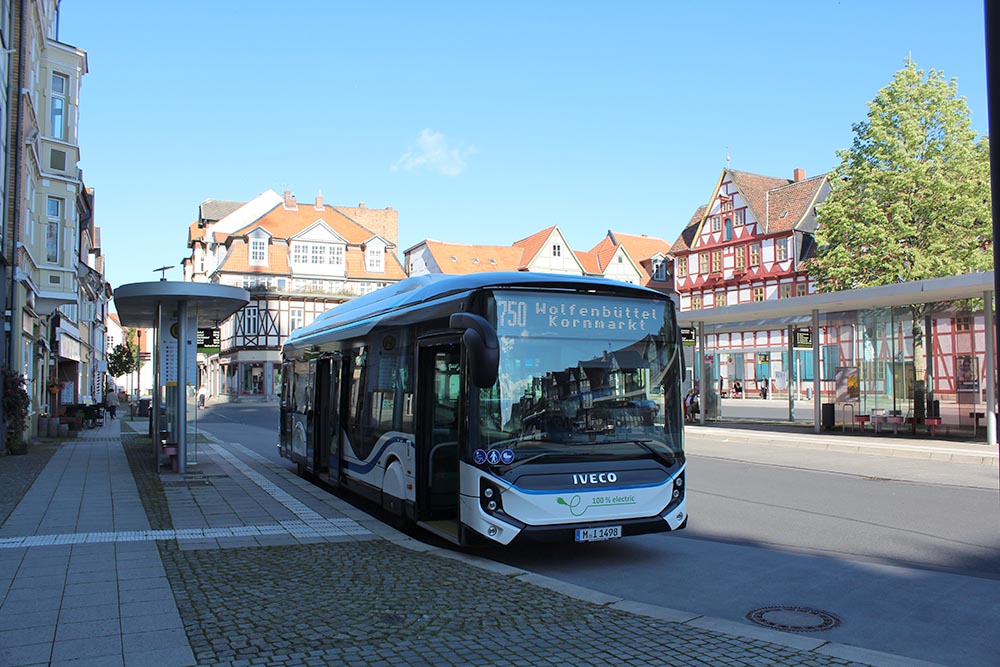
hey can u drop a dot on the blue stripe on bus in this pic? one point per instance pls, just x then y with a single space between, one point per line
366 467
576 489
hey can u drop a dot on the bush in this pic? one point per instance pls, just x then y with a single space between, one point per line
16 404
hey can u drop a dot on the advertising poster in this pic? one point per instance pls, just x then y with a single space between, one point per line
848 389
967 374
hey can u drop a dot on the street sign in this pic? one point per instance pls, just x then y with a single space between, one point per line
803 338
763 357
687 335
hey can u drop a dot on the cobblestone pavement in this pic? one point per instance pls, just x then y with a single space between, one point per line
375 603
17 473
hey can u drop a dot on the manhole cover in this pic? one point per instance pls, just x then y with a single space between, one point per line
793 619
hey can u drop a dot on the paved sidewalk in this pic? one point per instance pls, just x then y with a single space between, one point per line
106 561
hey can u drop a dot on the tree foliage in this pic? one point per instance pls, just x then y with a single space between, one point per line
910 199
124 357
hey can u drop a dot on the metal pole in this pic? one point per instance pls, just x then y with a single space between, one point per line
703 386
182 352
992 72
154 397
991 403
790 372
817 400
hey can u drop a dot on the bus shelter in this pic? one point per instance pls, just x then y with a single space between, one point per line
175 311
918 355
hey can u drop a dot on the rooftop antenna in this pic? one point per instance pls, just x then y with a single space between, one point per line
163 272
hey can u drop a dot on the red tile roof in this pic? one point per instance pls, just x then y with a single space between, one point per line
533 244
456 258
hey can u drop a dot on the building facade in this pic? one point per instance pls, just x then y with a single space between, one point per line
54 284
297 261
749 243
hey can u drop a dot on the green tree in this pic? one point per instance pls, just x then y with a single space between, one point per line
124 357
910 200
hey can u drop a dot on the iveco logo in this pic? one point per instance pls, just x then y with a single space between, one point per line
595 478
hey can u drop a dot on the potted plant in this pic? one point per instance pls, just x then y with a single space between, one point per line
55 386
16 403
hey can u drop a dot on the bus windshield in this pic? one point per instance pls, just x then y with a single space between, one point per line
583 376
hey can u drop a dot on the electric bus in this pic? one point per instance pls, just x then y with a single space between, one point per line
495 407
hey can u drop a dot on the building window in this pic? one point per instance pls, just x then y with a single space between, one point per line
739 217
557 250
54 211
801 289
786 291
60 84
682 266
660 270
373 258
250 319
337 255
758 293
729 229
716 223
703 262
716 261
727 205
720 298
962 323
300 253
258 251
295 318
754 254
740 257
695 302
782 249
317 253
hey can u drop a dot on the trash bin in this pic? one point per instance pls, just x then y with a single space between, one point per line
144 406
829 416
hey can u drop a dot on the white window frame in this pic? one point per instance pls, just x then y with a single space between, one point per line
53 229
556 250
258 251
296 318
336 255
58 107
251 320
375 258
300 253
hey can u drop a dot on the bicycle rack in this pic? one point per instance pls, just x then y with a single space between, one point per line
843 416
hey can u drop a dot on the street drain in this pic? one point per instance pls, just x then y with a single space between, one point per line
793 619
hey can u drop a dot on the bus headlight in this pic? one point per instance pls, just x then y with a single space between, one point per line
489 496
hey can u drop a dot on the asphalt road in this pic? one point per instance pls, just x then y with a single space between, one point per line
905 553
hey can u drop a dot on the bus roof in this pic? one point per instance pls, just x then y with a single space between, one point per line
359 316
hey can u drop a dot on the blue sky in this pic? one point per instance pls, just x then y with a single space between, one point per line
479 122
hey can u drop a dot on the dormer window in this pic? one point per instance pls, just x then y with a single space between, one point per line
258 251
660 270
374 258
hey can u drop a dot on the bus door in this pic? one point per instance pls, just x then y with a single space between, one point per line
439 401
327 436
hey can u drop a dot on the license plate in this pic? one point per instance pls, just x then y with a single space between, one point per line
598 534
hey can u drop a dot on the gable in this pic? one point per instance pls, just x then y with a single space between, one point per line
318 232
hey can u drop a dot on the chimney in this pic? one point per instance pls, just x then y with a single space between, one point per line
799 175
319 200
290 200
361 204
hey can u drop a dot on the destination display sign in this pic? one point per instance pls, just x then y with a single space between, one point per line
209 338
803 338
687 335
532 314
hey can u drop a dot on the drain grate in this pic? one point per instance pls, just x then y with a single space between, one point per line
187 482
794 619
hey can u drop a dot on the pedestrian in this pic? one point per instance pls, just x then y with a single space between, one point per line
202 396
737 389
111 402
763 389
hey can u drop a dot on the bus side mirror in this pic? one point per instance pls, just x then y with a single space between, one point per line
481 345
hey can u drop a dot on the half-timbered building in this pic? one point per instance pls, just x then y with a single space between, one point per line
296 261
749 243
